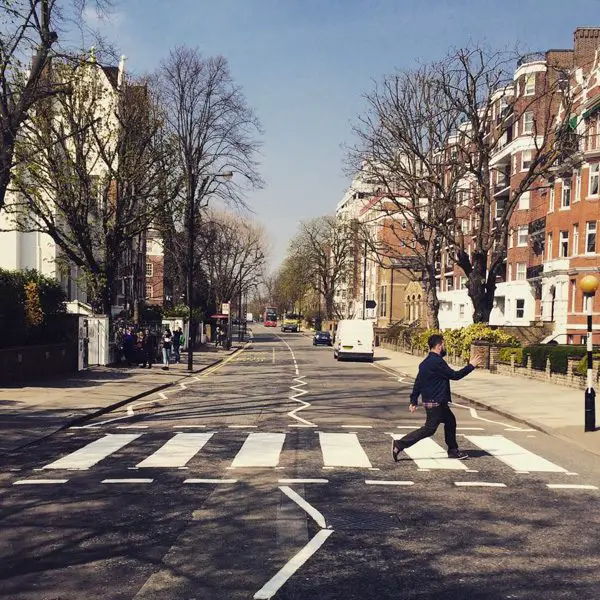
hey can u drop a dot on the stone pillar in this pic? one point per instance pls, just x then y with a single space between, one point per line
571 366
529 364
494 356
548 368
482 350
512 363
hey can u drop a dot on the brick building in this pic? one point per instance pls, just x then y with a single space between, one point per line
155 269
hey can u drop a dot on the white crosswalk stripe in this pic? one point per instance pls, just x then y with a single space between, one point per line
178 451
260 450
343 450
264 450
93 453
428 454
513 455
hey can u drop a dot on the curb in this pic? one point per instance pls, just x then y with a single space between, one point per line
106 409
519 419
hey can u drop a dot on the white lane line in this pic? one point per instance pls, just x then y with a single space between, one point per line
188 426
210 481
177 451
136 480
385 482
518 429
478 484
301 425
357 426
94 452
513 455
270 588
407 426
342 450
470 429
570 486
39 481
292 481
242 426
131 427
427 454
260 450
310 510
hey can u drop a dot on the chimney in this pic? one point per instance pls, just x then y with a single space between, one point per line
587 43
121 72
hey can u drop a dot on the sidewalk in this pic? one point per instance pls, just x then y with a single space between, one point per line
36 411
553 409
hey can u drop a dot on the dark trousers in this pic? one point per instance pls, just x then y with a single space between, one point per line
435 416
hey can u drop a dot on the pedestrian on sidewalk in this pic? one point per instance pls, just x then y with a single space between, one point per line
149 347
177 340
167 343
433 385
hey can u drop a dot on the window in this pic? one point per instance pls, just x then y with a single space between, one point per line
149 269
577 194
520 308
383 301
590 237
576 239
565 198
528 122
530 84
148 291
573 294
549 249
524 201
522 235
551 202
462 282
594 175
521 271
563 250
461 311
526 159
449 283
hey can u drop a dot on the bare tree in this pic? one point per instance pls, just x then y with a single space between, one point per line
407 121
232 253
91 175
321 251
215 132
28 28
428 140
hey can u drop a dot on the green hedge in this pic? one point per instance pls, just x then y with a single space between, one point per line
458 341
16 328
558 355
581 368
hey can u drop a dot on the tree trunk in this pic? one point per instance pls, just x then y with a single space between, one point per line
481 287
431 299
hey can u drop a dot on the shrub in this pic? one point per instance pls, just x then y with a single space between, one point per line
581 368
558 355
458 341
505 354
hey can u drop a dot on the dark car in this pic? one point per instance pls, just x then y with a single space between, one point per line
322 338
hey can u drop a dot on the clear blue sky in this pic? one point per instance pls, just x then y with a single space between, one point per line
304 64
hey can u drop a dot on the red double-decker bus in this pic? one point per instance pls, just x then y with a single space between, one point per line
270 317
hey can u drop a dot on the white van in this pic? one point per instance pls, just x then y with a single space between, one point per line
354 338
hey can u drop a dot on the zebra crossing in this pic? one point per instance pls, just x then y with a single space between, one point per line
266 450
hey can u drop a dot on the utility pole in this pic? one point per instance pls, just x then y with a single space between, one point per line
365 283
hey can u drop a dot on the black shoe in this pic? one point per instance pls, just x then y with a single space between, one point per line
396 450
458 454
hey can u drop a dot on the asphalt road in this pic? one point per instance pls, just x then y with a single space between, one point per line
271 476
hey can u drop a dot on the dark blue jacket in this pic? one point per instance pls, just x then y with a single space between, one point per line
433 380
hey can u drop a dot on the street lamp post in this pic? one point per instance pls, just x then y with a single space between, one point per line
191 231
589 285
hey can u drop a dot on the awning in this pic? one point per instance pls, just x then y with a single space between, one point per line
592 108
219 316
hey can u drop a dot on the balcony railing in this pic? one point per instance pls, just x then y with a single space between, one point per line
531 57
535 272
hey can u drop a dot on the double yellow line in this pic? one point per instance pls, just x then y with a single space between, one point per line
214 369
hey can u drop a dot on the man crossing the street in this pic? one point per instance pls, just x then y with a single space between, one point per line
433 385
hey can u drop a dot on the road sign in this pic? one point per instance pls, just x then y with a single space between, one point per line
225 308
370 304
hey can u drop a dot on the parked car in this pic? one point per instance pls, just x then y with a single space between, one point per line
322 338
